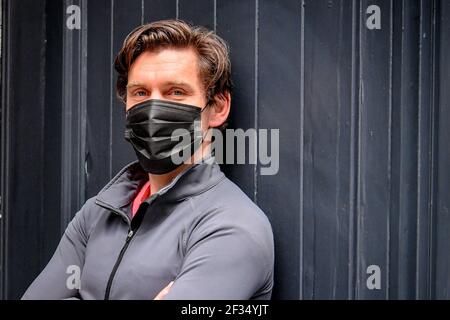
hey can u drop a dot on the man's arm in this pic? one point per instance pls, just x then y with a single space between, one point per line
60 278
225 261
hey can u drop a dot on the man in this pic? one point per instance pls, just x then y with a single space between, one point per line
164 229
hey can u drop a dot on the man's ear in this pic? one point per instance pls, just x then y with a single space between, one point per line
220 110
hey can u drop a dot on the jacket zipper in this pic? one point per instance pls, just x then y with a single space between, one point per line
134 225
130 235
132 230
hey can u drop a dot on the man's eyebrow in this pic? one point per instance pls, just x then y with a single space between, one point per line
134 84
168 83
179 83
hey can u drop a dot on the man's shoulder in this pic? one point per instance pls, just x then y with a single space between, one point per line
227 204
228 217
89 213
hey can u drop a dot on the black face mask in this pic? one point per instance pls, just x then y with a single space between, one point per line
149 128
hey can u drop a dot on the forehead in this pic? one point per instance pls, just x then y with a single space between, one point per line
168 64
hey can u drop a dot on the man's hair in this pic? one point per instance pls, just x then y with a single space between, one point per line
213 58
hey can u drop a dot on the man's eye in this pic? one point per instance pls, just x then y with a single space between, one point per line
140 93
177 92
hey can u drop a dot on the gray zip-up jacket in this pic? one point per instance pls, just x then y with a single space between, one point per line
201 231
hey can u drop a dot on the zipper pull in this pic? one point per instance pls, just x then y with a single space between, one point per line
130 234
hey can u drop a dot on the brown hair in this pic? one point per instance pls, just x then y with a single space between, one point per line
214 62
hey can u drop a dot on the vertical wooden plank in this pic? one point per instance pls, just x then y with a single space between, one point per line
4 146
374 150
403 223
198 12
442 221
51 158
126 15
236 22
99 93
73 116
328 63
425 152
25 143
279 108
395 135
354 149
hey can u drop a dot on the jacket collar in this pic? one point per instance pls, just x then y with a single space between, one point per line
123 188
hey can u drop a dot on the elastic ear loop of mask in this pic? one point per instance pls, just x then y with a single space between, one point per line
206 131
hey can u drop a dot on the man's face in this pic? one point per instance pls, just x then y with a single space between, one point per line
167 74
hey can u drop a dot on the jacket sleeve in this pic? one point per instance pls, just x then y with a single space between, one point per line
60 279
226 261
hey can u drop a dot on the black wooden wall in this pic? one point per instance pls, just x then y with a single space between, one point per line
363 114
